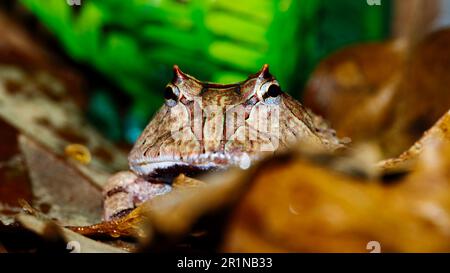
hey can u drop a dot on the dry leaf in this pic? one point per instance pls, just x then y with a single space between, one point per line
367 98
37 104
68 195
77 242
14 180
313 208
440 132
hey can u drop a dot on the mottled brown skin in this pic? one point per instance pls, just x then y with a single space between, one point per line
205 126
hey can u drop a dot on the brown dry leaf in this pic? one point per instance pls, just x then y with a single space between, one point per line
356 80
133 225
313 208
59 189
38 105
41 96
351 75
36 90
440 132
74 241
384 92
14 180
36 100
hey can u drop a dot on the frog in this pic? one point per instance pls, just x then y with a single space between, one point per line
205 127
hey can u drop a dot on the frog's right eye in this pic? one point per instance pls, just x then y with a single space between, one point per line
171 95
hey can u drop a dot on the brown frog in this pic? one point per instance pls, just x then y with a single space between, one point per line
207 127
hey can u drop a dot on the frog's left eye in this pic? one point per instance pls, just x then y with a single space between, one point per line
271 93
171 95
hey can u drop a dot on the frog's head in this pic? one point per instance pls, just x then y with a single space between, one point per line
204 126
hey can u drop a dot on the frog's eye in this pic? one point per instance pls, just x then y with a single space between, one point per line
272 93
170 95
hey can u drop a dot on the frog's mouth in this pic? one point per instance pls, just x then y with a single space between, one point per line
168 174
167 171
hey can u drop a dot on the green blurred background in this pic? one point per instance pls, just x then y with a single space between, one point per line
134 44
